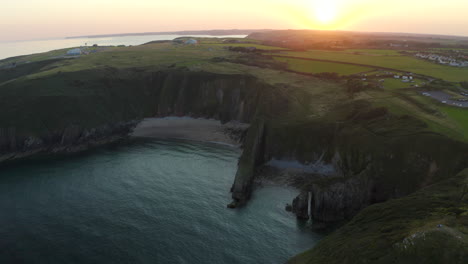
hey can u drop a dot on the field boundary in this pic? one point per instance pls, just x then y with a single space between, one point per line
348 63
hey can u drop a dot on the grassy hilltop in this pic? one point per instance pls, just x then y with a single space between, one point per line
52 67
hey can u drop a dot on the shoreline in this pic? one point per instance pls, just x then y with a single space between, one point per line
188 128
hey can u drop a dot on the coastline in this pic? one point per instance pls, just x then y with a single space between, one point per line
188 128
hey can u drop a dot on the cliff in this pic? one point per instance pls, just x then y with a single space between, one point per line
428 226
352 156
368 157
243 182
14 145
76 110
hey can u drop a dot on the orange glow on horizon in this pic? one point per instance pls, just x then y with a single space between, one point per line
329 15
29 19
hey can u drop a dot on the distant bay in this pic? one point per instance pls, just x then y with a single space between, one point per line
18 48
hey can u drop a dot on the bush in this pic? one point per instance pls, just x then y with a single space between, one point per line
464 85
354 86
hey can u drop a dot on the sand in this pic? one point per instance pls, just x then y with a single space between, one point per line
198 129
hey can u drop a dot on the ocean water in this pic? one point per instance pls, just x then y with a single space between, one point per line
145 201
17 48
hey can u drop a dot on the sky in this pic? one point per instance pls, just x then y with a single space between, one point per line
43 19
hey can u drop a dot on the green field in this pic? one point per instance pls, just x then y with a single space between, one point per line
401 63
392 84
319 67
374 52
459 115
246 45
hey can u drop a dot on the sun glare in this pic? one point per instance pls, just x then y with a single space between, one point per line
325 12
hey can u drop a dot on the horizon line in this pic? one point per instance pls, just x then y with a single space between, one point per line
203 32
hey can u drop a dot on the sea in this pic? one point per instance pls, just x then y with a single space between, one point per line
18 48
143 201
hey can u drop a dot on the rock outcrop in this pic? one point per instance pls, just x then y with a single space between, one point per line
300 206
428 226
248 162
339 200
72 139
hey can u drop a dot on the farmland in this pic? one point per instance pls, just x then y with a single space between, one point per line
393 84
246 45
373 52
376 59
319 66
458 115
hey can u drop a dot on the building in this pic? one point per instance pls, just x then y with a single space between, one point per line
74 52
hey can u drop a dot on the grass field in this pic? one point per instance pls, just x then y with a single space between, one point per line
319 67
246 45
459 115
374 52
392 84
439 118
402 63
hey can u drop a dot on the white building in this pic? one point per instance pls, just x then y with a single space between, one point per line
74 52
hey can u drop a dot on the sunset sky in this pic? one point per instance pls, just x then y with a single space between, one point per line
41 19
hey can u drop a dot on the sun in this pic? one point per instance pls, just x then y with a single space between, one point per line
325 11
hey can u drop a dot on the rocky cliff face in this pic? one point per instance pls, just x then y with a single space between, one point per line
366 168
372 155
14 145
92 108
200 94
249 161
428 226
300 205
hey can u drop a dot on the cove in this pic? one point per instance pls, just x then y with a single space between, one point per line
143 201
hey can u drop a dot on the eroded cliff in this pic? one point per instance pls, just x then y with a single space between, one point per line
368 159
73 111
369 154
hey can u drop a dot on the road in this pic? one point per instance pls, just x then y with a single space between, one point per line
445 98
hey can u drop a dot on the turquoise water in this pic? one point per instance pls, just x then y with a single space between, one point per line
146 201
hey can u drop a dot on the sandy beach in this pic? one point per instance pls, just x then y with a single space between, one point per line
207 130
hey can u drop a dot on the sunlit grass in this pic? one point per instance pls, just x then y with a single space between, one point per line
401 63
319 67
